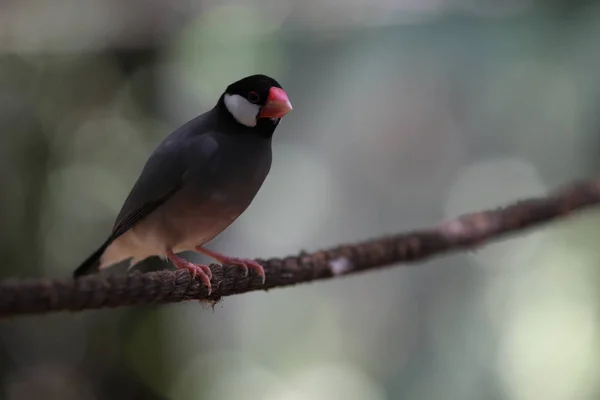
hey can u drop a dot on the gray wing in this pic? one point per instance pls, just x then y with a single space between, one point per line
160 179
163 175
143 199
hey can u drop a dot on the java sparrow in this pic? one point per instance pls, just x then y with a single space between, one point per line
198 181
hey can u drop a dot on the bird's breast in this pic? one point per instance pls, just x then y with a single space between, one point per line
211 198
194 217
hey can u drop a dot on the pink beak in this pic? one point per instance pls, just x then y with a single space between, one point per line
277 104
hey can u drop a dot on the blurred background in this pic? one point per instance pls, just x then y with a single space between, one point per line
405 113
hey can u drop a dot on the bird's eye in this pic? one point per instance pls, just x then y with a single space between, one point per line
253 97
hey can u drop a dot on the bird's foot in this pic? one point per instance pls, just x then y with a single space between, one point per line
201 270
242 262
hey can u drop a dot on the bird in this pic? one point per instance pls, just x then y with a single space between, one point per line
197 182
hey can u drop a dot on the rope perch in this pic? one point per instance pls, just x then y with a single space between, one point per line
30 296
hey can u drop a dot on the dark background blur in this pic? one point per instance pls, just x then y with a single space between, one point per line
406 112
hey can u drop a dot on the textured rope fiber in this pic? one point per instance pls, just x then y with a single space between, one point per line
27 296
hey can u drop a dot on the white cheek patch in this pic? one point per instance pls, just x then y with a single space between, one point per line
242 110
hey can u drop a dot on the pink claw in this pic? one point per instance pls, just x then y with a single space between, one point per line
242 262
201 270
245 263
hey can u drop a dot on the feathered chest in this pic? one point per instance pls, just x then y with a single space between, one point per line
234 169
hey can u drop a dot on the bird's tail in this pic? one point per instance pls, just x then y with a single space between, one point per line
92 263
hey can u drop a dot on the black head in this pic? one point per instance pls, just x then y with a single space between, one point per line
256 102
